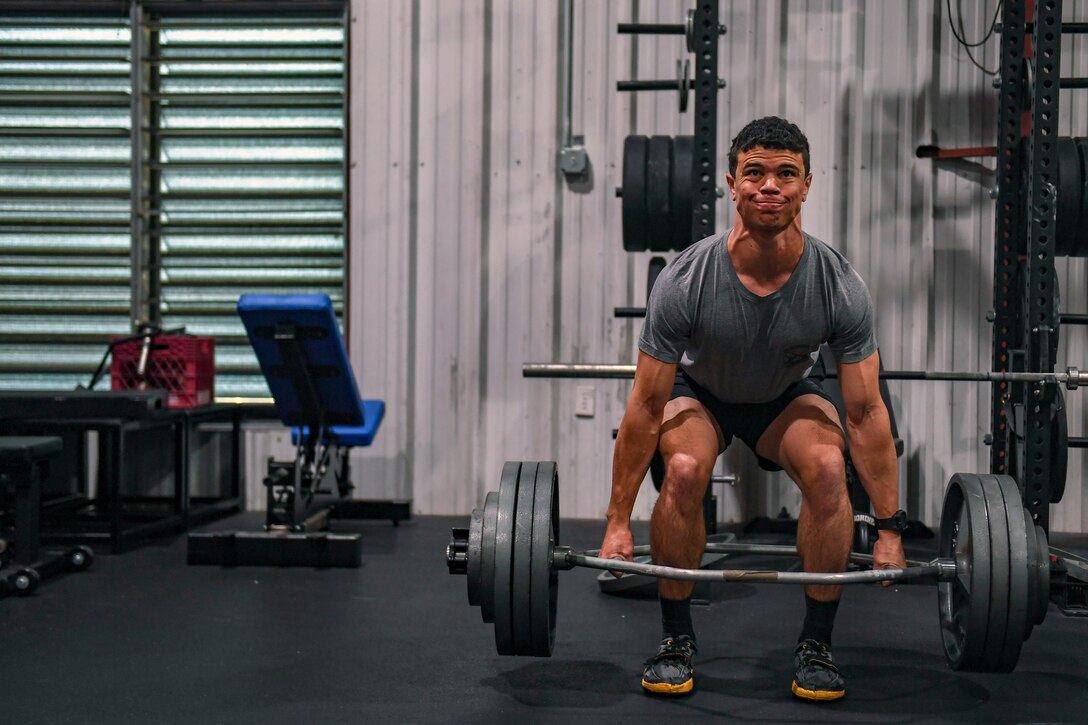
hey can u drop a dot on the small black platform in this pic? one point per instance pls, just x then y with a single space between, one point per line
23 563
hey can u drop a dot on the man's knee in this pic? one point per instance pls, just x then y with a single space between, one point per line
821 475
685 482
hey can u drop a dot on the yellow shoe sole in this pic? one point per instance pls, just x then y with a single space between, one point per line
816 695
664 688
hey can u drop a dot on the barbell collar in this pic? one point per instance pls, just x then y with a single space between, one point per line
561 558
930 572
1072 377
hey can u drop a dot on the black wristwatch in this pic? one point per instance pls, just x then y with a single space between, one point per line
895 522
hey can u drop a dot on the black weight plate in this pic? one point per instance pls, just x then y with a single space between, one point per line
1055 314
864 537
520 581
993 656
1020 593
683 191
659 230
472 554
683 83
652 271
1080 242
1059 450
1014 439
545 578
633 203
504 557
487 557
1070 185
963 603
1033 573
1042 574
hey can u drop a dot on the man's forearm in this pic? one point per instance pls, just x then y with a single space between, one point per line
873 452
636 442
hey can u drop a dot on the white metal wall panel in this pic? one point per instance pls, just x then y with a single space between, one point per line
470 255
1072 513
381 252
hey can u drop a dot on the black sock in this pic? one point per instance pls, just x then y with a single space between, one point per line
819 620
676 618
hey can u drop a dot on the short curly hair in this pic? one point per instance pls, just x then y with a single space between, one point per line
770 132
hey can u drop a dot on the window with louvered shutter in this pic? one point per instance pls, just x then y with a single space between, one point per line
235 169
64 197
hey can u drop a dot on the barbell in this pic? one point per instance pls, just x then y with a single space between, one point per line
1071 378
992 571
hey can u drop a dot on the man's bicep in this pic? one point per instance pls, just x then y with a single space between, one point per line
854 336
654 380
666 328
860 384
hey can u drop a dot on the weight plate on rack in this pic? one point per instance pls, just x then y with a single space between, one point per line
633 206
653 269
1080 242
659 168
1070 185
1059 450
683 192
683 82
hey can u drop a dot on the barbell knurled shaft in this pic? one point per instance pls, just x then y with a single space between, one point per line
714 547
623 371
929 571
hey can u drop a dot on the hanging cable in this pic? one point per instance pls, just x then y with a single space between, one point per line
960 34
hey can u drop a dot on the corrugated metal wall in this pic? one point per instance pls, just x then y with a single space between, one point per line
471 255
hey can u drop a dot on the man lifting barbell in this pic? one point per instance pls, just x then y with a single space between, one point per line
732 327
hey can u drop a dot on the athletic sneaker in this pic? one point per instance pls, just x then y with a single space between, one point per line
670 671
817 678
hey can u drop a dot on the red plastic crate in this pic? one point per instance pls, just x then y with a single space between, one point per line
182 365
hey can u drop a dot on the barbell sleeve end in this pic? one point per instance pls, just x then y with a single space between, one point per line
561 558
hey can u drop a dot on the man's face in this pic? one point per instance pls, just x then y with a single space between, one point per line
769 188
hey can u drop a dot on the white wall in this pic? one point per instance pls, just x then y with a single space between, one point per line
470 255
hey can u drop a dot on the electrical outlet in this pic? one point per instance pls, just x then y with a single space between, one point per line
585 401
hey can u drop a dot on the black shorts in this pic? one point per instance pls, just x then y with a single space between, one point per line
746 421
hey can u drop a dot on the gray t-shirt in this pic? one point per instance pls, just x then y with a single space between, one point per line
744 348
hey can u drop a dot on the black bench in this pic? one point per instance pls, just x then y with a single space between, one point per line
24 462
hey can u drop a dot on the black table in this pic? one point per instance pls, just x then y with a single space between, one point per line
122 512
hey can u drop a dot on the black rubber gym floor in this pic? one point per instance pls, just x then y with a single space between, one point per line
144 638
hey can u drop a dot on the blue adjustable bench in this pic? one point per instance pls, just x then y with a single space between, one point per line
303 359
